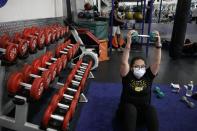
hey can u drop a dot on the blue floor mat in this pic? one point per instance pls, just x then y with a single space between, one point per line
98 113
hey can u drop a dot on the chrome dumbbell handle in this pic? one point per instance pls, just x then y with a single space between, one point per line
27 86
2 50
70 89
63 106
42 69
68 96
57 117
85 64
63 52
34 76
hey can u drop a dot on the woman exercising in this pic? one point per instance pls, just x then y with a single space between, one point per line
135 108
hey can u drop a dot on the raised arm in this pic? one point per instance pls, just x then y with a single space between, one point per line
124 67
155 63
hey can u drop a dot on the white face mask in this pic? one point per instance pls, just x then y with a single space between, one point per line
138 73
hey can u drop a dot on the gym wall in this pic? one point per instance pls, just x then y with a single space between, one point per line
16 10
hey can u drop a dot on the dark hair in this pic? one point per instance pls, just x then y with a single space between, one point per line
116 2
135 59
187 41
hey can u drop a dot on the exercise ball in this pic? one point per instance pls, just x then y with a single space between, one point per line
87 6
129 15
138 16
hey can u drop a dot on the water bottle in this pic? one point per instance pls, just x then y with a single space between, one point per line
189 89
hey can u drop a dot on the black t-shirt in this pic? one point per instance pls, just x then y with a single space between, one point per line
137 91
115 22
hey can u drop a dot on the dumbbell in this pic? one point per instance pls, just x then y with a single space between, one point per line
61 110
86 74
48 36
8 49
189 104
27 32
53 31
40 36
52 119
59 62
59 51
68 95
22 46
15 81
51 58
67 118
37 66
55 103
135 37
27 75
58 32
158 92
32 40
68 99
68 87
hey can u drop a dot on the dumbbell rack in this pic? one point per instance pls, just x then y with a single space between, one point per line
19 121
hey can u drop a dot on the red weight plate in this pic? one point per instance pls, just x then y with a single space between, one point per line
73 107
37 88
82 84
26 70
67 118
59 65
79 62
22 47
69 54
13 83
77 94
34 29
47 35
61 92
44 59
11 53
35 65
65 45
53 35
26 32
3 40
57 51
53 70
55 100
49 54
64 60
17 36
61 33
47 116
46 75
32 44
58 33
69 78
40 39
69 41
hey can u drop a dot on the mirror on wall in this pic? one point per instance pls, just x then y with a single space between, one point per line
163 11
